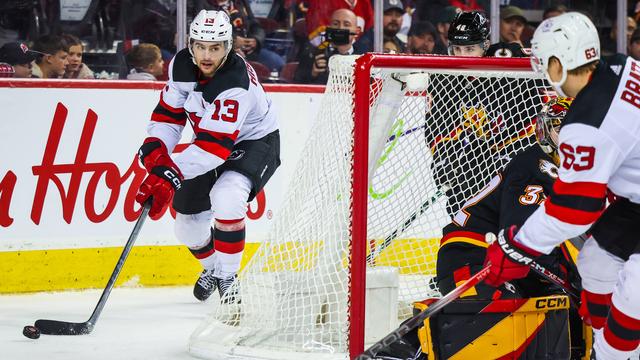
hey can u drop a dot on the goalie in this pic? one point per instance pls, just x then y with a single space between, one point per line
509 198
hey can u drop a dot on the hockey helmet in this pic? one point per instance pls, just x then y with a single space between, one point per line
210 25
549 120
571 38
469 28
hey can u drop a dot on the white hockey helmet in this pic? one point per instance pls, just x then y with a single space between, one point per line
571 38
210 25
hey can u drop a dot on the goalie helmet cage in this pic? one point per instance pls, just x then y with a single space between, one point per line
400 142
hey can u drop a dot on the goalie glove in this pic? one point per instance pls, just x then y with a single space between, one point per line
163 180
509 259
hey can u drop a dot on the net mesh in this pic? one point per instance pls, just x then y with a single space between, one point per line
430 149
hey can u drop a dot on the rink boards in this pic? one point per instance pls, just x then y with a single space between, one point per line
67 183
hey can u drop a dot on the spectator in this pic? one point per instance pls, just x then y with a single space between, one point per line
391 47
443 22
20 57
249 36
313 65
53 61
320 12
634 44
76 69
146 62
422 38
554 11
391 23
512 23
610 47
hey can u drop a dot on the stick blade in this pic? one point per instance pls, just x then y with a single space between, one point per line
55 327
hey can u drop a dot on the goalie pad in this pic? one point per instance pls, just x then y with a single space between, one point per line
533 328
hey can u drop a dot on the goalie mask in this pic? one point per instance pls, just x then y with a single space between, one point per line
549 122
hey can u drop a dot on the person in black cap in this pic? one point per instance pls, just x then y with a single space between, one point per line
422 38
20 57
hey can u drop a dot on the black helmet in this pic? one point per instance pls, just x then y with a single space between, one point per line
469 28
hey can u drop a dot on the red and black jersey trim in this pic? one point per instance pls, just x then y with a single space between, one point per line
218 144
622 331
579 203
167 114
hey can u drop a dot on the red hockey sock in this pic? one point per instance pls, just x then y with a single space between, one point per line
229 236
622 332
595 308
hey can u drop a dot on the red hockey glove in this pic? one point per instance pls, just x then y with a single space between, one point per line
509 260
164 177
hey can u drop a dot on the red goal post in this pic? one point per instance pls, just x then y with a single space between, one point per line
362 92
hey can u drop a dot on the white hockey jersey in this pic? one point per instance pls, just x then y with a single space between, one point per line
223 110
599 149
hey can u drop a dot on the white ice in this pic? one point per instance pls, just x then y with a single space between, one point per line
136 323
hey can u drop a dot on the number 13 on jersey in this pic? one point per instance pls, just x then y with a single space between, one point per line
226 110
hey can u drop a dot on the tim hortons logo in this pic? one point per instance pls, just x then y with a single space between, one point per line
101 175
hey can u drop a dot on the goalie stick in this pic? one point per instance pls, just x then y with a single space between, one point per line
56 327
418 319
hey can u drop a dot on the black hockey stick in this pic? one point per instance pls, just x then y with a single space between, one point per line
55 327
418 319
405 225
556 280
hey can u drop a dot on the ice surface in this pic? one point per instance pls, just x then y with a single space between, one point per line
136 323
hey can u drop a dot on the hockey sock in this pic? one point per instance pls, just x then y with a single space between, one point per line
229 243
205 254
622 332
594 308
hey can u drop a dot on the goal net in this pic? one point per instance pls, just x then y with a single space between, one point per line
399 143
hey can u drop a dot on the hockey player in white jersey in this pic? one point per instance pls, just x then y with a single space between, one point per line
234 151
599 156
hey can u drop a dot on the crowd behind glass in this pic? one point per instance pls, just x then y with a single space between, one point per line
286 41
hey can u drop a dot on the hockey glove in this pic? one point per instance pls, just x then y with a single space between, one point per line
509 260
163 180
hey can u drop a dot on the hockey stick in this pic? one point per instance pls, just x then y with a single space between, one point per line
55 327
405 225
556 280
418 319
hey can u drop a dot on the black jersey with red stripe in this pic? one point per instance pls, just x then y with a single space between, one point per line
222 110
508 199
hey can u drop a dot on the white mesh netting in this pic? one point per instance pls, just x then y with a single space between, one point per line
429 150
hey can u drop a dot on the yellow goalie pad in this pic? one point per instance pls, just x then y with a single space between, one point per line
537 327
